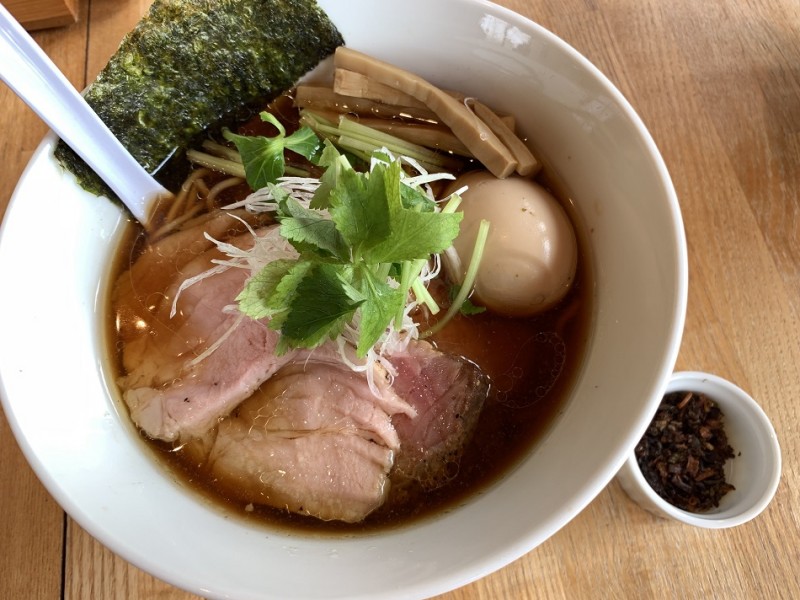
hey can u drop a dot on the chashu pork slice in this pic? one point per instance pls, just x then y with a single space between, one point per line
447 394
313 440
169 393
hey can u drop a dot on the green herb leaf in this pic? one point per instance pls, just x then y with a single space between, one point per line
412 235
262 157
360 210
268 117
414 199
323 303
305 142
268 292
364 258
333 162
381 304
469 309
416 236
281 300
310 230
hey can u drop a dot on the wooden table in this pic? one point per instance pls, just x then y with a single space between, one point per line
718 84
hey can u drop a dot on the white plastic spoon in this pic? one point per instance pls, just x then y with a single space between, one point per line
29 72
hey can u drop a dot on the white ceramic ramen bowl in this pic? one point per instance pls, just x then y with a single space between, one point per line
755 470
57 241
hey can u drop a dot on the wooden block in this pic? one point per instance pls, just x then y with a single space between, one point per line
41 14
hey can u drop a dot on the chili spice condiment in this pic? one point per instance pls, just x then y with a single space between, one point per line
684 450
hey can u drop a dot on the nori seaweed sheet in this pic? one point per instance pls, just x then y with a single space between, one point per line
191 63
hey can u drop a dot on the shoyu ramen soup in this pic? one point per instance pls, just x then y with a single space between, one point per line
363 304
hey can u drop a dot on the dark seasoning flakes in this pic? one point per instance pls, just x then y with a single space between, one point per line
683 453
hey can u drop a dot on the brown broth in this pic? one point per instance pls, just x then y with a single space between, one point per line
532 364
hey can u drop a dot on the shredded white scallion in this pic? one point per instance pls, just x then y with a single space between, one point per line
301 189
269 245
220 340
187 283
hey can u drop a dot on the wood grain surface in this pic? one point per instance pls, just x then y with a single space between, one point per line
718 85
41 14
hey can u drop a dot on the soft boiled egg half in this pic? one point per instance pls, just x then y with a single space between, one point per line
531 252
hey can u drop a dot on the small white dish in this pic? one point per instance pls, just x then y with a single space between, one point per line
754 471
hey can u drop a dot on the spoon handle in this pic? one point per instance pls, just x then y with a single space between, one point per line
28 71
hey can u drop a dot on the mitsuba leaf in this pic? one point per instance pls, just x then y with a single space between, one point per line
255 298
377 226
305 142
412 234
468 308
309 229
333 162
262 157
416 236
268 117
286 291
381 304
278 193
413 198
359 208
324 301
